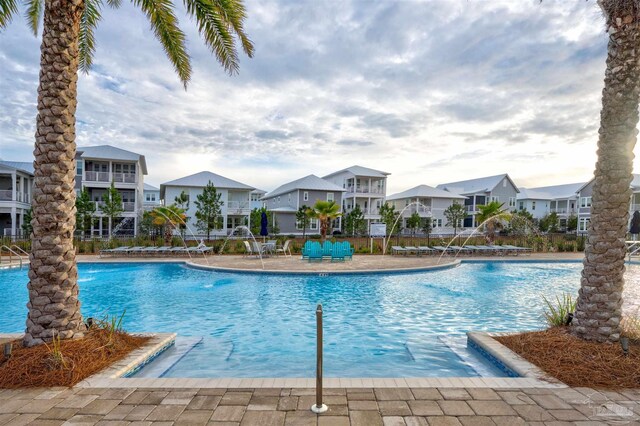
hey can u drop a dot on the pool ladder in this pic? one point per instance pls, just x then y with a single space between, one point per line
16 251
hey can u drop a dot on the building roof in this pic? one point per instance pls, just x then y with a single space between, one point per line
635 183
108 152
473 186
259 191
148 187
361 171
285 209
550 192
200 180
311 182
23 166
424 191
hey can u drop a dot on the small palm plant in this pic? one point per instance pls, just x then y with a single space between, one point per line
169 218
325 212
493 217
557 314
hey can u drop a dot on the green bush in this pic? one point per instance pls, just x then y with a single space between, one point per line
557 313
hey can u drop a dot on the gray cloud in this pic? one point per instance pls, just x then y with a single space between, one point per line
354 142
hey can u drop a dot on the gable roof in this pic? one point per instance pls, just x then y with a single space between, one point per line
635 182
201 179
473 186
148 187
360 171
550 192
23 166
311 182
108 152
424 191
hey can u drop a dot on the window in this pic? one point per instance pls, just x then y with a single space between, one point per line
278 198
512 201
533 205
521 205
147 197
313 224
305 196
436 223
79 167
255 197
583 224
329 196
585 202
492 198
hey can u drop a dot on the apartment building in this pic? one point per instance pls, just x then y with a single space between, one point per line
99 166
151 198
362 186
16 189
559 199
236 199
482 191
426 201
285 200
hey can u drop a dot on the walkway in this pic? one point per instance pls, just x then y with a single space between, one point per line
355 407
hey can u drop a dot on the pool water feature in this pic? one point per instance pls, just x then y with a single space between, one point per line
263 325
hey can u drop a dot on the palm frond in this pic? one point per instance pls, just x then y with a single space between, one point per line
165 27
87 42
114 4
33 14
217 21
7 9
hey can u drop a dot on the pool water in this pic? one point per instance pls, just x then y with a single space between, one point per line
375 325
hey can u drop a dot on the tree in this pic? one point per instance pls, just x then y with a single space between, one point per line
599 305
455 215
302 218
169 218
549 222
85 209
325 212
413 222
521 223
493 217
182 201
147 227
354 222
426 226
26 223
389 216
68 44
256 219
572 223
111 205
209 209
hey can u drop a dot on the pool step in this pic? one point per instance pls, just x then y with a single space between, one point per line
161 365
471 358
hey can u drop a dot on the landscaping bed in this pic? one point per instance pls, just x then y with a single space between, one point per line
66 362
577 362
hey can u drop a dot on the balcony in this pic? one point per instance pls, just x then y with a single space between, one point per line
419 209
21 197
238 207
126 207
471 208
6 195
107 177
364 190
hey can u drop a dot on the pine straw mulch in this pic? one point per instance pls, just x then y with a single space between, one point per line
39 366
577 362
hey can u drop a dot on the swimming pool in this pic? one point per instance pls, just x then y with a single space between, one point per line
376 325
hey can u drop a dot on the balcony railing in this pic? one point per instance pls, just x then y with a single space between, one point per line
127 207
419 209
107 177
364 190
6 195
238 205
471 208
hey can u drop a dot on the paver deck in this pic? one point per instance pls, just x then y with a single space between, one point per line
290 406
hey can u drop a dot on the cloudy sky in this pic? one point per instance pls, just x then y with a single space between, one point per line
430 91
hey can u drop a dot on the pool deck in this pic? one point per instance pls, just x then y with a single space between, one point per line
281 406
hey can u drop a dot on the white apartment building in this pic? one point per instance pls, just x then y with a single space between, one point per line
16 189
236 198
151 197
559 199
363 186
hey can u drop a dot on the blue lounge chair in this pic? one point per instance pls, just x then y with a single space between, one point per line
307 248
348 250
327 249
315 252
338 252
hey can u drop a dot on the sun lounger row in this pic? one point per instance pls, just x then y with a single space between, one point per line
155 251
338 251
481 250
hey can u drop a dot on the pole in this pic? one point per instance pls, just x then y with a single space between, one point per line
319 407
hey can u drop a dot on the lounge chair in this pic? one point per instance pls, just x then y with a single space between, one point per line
114 251
247 249
517 250
327 249
134 250
348 250
306 248
337 252
492 249
412 249
398 250
443 249
315 252
178 250
460 249
425 249
284 249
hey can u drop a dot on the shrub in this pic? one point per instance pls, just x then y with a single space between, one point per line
559 313
631 327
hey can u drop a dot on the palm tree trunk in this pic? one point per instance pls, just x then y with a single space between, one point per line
599 307
53 305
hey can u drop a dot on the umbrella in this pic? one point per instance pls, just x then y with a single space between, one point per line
264 222
635 223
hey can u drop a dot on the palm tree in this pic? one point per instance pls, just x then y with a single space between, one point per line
169 218
599 306
493 216
68 44
325 212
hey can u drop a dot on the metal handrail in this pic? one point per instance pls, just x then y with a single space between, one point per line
20 250
11 252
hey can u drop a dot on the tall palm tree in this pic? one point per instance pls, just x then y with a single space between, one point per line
325 212
599 307
68 44
493 216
